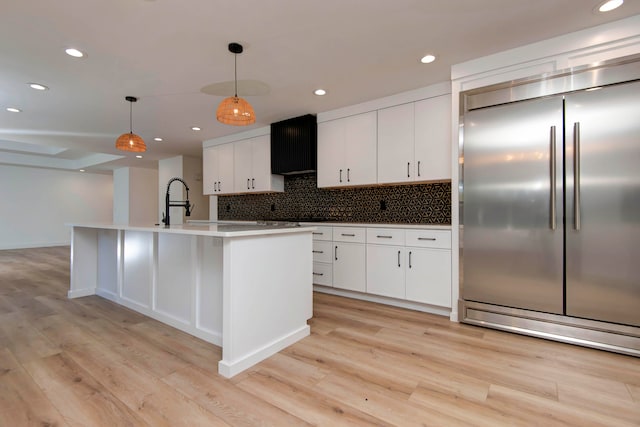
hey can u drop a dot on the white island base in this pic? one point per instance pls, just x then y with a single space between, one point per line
247 288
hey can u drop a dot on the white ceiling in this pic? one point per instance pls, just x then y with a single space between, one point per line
165 51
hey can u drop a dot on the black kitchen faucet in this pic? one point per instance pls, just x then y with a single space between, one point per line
168 203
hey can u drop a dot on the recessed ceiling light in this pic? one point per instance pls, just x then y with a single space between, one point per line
81 170
609 5
195 128
37 86
138 156
320 92
74 52
427 59
14 110
157 139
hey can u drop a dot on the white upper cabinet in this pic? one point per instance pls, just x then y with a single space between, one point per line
252 166
433 138
242 166
217 169
347 151
396 145
414 141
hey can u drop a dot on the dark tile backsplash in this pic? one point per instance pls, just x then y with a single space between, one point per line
412 204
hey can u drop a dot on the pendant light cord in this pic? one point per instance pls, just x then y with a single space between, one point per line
235 72
130 117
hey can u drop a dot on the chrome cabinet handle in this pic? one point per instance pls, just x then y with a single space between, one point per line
384 237
409 259
340 175
248 184
348 175
408 164
576 176
318 252
347 235
215 186
427 238
253 183
336 253
318 274
315 233
418 167
552 176
398 258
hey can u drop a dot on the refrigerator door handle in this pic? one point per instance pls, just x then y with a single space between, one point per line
576 176
552 176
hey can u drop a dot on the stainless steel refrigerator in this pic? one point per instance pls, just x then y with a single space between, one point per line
551 207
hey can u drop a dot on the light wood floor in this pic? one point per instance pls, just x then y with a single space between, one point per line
88 362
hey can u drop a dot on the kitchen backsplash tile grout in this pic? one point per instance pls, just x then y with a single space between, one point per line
398 204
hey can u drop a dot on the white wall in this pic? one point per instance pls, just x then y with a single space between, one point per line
135 196
37 203
121 196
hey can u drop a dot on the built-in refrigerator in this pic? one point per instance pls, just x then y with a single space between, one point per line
550 206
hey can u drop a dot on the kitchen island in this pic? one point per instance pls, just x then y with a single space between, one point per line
244 287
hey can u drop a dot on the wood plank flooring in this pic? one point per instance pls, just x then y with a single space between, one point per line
89 362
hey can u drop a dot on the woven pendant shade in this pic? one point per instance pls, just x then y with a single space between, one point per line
235 111
130 142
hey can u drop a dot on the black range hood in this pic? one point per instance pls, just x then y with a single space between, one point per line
294 145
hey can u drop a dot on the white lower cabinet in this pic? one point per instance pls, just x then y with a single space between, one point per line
406 264
323 256
323 273
428 278
349 266
386 271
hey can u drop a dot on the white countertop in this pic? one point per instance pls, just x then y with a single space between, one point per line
214 229
379 225
355 224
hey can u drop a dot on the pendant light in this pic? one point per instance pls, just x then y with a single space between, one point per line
233 110
130 141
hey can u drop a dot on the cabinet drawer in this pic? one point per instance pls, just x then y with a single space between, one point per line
321 251
322 274
429 238
385 236
322 233
349 234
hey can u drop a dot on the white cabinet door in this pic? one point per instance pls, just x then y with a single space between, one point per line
428 278
386 271
396 144
210 170
217 169
360 149
433 138
347 153
262 179
349 263
225 169
331 136
242 165
322 274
